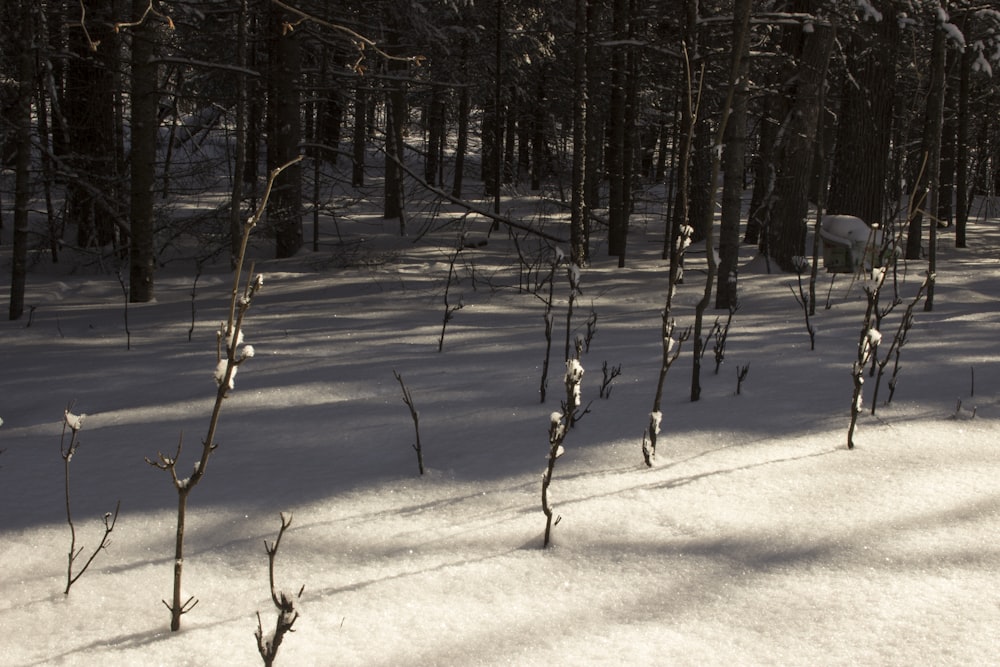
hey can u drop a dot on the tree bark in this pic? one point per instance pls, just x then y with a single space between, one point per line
616 158
360 136
860 169
90 115
578 215
927 184
734 149
145 123
786 226
284 207
22 164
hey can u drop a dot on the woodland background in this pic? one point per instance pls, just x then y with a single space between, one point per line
855 106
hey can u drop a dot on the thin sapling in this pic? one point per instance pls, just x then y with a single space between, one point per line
408 400
284 603
607 384
805 298
741 376
720 333
868 339
449 308
231 353
671 351
559 424
548 299
74 423
895 348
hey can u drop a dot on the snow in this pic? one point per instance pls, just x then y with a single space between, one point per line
758 539
868 11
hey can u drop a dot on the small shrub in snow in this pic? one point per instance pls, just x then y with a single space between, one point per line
803 298
408 399
610 373
895 347
449 308
74 423
559 423
720 333
741 375
671 350
548 300
867 341
230 352
285 604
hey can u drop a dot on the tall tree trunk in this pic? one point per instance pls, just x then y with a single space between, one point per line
786 226
860 171
462 141
595 116
578 214
396 115
90 112
435 134
284 207
733 152
962 152
616 159
930 150
538 126
145 123
741 28
22 165
360 135
944 211
240 138
932 135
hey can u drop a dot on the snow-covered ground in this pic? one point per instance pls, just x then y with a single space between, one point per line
757 538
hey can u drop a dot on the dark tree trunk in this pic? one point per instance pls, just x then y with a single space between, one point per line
396 115
284 207
945 212
435 134
733 153
462 141
930 149
962 152
90 114
616 158
594 167
786 226
360 132
22 163
578 231
538 138
240 137
145 123
860 171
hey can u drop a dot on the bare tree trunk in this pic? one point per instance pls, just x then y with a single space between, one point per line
931 151
90 113
145 123
962 152
786 226
864 130
726 295
284 210
932 133
360 133
741 27
239 166
578 232
22 186
462 142
616 158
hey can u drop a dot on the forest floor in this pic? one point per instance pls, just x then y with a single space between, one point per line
756 538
